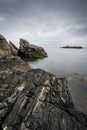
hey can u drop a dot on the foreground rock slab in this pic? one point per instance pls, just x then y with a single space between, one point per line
29 51
36 100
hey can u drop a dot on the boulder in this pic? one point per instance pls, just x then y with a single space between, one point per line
4 47
29 51
36 100
13 48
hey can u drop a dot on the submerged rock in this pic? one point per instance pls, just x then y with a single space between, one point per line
36 100
27 50
78 89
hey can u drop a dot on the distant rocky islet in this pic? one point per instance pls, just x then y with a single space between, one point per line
72 47
33 99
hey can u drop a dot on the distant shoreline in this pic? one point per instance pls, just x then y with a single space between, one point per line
72 47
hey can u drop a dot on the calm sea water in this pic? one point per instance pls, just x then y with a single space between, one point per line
63 62
68 63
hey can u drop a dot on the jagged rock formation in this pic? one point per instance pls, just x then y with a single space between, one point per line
13 48
4 47
33 99
36 100
27 50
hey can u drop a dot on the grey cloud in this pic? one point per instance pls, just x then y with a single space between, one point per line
44 20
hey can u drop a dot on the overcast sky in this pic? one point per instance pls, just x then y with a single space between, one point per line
45 22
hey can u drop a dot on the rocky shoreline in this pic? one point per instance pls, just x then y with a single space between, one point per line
25 50
33 99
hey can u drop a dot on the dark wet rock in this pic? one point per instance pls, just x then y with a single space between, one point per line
13 48
4 47
36 100
29 51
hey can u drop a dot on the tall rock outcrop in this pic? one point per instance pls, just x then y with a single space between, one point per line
29 51
4 47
